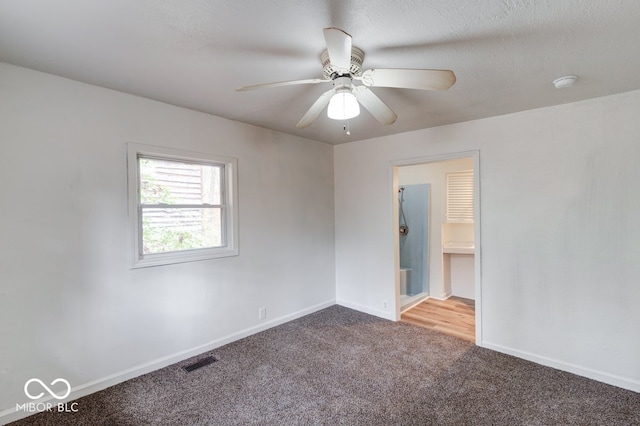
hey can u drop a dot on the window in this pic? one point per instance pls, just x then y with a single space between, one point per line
183 205
460 196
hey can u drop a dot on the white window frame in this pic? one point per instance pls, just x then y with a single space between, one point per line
230 206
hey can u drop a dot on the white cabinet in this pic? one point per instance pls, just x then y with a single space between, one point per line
458 265
462 275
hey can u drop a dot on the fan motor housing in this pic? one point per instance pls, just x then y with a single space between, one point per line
342 84
355 69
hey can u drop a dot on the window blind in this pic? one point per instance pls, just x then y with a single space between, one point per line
460 196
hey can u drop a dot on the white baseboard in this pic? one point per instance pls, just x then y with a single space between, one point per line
367 310
11 414
600 376
404 308
443 296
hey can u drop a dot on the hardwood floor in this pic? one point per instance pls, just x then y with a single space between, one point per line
454 316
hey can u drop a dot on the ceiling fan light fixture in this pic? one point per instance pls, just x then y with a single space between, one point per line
343 106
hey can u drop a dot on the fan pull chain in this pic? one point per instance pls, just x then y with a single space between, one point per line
345 127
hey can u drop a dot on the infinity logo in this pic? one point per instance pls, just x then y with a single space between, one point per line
52 393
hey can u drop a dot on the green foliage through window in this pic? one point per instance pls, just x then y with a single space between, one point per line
180 205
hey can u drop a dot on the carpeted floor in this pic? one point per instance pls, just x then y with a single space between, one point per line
342 367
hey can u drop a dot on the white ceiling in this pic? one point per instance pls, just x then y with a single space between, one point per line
194 53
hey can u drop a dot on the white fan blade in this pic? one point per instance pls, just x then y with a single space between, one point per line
409 79
282 83
339 47
315 109
374 105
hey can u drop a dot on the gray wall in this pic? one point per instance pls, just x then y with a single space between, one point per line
559 222
70 306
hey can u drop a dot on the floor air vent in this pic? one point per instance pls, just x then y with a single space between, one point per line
202 363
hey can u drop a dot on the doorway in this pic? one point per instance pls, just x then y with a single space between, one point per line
450 262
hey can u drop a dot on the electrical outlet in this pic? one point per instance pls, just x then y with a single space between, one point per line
385 305
262 313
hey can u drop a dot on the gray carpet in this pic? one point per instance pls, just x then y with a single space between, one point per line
342 367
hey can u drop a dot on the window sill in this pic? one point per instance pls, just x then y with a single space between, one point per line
182 257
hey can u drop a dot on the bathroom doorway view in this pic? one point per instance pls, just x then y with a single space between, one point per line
436 244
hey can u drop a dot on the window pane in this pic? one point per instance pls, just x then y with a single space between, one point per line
174 229
176 182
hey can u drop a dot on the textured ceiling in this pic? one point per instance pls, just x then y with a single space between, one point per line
194 53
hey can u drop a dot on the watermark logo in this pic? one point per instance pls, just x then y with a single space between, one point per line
52 393
36 407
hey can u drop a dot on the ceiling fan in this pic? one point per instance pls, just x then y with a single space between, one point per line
342 64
